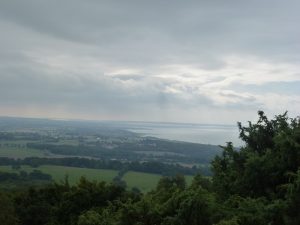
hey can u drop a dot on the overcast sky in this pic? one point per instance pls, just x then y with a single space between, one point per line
156 60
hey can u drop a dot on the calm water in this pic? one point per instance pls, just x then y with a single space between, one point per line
197 133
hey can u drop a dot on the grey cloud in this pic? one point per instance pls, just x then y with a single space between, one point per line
196 31
30 85
142 35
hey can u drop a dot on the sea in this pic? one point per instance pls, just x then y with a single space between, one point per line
215 134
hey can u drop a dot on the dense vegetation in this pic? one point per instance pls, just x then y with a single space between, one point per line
257 184
23 175
21 179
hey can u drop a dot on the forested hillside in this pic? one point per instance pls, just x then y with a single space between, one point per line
258 184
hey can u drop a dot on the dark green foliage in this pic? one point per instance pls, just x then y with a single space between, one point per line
24 176
194 207
92 217
203 182
63 204
260 167
7 211
260 172
293 200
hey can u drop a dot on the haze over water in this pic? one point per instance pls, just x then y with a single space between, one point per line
197 133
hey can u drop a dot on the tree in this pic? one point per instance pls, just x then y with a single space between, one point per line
7 211
91 217
293 200
272 149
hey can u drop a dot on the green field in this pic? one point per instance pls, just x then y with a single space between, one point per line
58 173
143 181
20 153
146 181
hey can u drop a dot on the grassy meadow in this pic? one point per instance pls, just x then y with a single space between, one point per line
59 173
143 181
